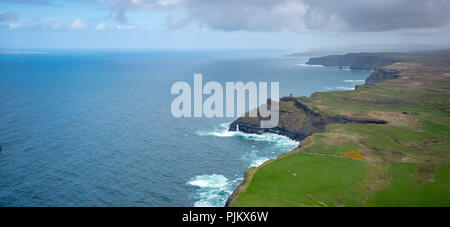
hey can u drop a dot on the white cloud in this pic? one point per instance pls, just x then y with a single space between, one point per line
296 15
100 27
124 27
14 26
78 25
279 15
121 27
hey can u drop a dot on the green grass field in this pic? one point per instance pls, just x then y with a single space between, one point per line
415 185
332 181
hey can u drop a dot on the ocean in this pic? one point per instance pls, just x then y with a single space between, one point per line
94 128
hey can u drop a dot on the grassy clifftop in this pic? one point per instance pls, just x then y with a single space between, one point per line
402 163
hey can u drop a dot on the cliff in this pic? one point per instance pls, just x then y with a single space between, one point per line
297 121
341 164
365 61
382 74
362 61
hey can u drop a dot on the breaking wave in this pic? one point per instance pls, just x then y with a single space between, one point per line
354 81
306 65
214 189
278 140
340 88
253 158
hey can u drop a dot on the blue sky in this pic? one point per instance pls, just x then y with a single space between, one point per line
220 24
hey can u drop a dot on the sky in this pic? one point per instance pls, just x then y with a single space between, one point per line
222 24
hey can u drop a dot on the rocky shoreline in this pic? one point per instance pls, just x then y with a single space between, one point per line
298 121
313 122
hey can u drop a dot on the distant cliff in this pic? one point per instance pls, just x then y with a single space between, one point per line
362 61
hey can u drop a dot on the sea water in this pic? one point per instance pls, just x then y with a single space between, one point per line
94 128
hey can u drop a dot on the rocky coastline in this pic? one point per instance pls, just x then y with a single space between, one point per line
298 121
307 121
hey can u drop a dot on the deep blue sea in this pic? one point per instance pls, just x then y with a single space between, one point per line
94 128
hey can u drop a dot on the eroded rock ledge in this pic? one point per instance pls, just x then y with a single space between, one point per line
297 121
381 74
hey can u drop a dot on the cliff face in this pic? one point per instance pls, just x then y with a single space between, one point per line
381 74
297 121
362 61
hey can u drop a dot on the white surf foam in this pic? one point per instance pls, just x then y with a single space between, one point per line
209 181
221 131
306 65
278 140
212 190
354 81
253 158
340 88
